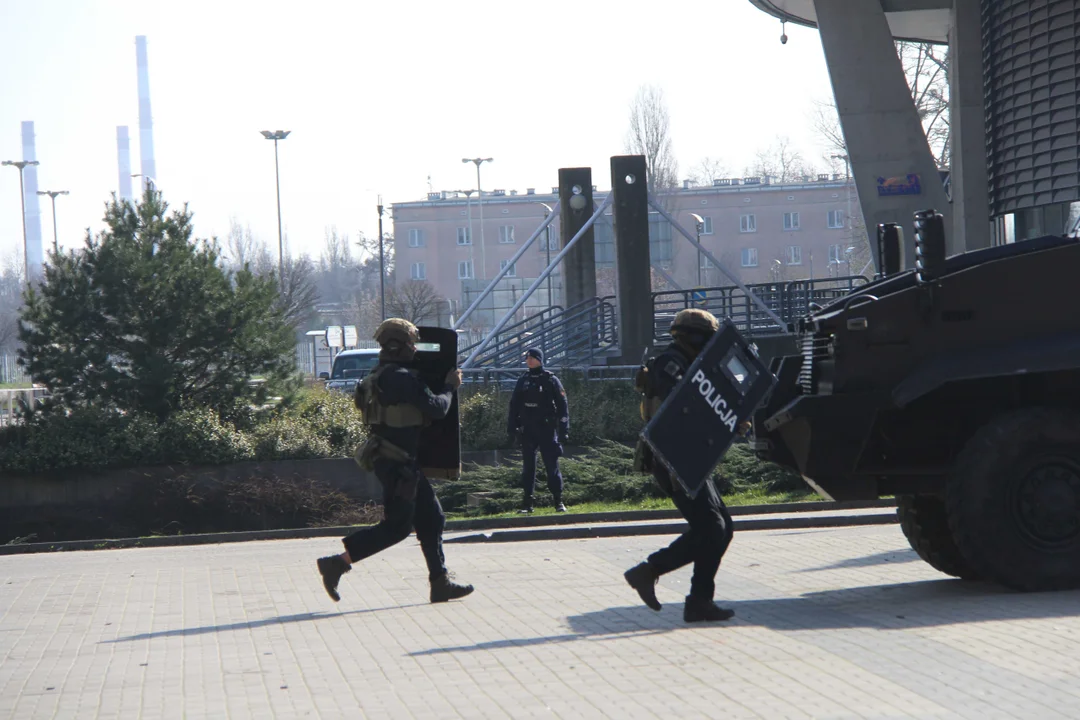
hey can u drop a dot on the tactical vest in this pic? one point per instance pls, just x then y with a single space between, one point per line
645 383
372 412
538 396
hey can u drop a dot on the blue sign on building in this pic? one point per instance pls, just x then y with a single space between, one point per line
900 185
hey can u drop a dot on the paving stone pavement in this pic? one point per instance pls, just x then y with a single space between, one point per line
835 623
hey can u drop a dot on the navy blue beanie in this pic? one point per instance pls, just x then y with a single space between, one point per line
536 353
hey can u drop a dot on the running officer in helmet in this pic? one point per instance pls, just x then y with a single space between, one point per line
396 404
710 530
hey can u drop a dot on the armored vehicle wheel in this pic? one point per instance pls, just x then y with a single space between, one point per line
926 527
1013 500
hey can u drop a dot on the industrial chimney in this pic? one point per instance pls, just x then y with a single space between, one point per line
35 255
123 159
146 125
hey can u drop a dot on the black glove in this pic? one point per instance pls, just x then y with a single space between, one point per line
562 438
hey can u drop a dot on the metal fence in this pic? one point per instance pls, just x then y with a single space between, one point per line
505 377
10 372
790 300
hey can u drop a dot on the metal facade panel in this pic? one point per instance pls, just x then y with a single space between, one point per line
1031 60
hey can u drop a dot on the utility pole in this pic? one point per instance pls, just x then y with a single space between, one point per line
480 201
547 244
20 164
52 194
382 271
275 136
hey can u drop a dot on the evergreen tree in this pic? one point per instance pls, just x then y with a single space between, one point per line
144 319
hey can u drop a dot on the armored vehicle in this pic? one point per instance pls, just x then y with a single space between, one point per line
953 385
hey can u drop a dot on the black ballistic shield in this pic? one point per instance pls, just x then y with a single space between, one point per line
440 443
697 422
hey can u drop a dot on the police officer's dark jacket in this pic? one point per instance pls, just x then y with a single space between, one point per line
397 404
539 402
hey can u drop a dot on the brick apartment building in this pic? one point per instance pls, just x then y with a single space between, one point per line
758 228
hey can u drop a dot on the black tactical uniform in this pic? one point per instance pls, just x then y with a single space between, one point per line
396 405
539 415
710 524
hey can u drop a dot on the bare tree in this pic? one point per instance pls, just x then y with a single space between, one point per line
300 293
781 161
11 284
650 135
415 301
707 171
926 67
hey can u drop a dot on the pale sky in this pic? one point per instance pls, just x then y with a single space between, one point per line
378 96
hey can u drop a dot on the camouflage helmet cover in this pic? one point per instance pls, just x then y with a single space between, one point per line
695 320
396 329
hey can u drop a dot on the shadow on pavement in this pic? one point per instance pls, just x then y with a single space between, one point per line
279 620
894 557
902 606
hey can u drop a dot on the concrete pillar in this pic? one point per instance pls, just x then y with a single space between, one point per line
969 173
632 276
894 171
579 265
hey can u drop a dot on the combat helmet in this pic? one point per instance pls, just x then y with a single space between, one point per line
396 330
694 321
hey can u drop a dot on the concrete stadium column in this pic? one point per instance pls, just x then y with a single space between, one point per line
894 171
632 277
579 265
969 175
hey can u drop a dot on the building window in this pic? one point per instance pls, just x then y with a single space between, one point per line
543 244
794 255
513 268
464 270
418 271
706 263
791 221
834 253
416 237
749 257
836 219
748 223
506 234
706 226
464 237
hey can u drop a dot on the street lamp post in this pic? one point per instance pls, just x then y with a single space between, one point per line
52 194
382 272
275 136
547 245
480 202
20 164
699 226
847 192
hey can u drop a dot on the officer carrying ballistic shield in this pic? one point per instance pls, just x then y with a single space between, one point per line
710 524
396 404
539 417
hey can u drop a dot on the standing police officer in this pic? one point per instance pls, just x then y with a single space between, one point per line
710 524
539 416
396 404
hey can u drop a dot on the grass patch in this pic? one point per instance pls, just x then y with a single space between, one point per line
604 478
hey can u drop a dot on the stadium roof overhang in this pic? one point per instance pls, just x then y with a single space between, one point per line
921 20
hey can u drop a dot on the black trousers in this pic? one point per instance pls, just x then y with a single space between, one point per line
409 502
703 544
545 440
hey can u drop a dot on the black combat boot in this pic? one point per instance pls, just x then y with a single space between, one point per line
699 609
559 507
443 589
643 578
526 505
332 568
